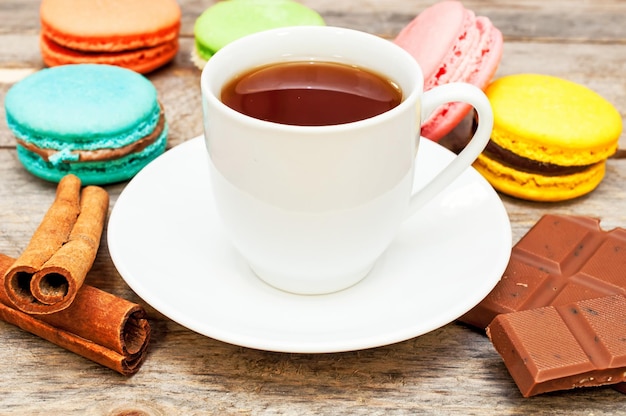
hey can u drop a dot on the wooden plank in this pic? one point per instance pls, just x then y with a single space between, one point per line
597 21
597 66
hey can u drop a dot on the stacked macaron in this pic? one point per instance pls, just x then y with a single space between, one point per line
551 137
102 123
141 35
229 20
451 44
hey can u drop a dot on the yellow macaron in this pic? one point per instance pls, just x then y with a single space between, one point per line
551 137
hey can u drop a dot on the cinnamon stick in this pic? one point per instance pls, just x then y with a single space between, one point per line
97 325
48 274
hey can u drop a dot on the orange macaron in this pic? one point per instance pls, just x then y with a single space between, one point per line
141 35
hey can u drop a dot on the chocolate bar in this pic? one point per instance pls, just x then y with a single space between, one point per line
562 347
560 261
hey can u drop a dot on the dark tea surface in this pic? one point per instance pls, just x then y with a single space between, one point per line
311 93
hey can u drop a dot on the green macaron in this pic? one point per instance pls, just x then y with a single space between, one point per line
229 20
102 123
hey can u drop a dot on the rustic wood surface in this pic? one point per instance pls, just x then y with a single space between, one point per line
452 370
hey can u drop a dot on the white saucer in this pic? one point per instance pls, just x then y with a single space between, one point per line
164 237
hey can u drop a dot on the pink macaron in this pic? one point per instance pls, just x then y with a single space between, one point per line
451 44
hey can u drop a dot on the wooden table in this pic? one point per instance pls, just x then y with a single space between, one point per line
452 370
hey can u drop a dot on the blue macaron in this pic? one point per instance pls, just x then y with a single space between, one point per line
102 123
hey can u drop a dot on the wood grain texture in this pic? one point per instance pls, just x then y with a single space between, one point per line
452 370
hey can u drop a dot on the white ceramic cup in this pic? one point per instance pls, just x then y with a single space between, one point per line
311 208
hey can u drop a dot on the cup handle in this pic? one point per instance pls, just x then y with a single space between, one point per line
455 92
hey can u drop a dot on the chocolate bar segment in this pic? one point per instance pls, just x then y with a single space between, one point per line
579 344
562 259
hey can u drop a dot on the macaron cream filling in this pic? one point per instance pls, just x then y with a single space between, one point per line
67 155
96 172
512 160
140 59
107 43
